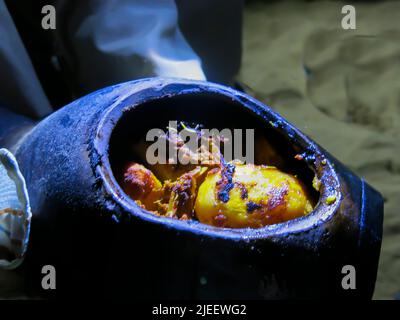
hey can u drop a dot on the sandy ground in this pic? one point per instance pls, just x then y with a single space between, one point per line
341 87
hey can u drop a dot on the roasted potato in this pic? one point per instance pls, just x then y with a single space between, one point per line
246 195
142 185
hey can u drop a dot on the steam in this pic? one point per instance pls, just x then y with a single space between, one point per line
148 29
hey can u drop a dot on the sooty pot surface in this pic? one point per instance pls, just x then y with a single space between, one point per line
102 243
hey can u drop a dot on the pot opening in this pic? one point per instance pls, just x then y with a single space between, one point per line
274 144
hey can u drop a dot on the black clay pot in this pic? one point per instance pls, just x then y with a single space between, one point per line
103 244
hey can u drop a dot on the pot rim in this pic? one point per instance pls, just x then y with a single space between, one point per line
162 88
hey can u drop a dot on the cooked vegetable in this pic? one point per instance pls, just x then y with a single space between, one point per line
232 195
239 196
142 185
206 155
183 193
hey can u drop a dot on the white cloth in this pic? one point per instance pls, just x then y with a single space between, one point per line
15 212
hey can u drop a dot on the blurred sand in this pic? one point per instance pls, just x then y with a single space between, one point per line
341 87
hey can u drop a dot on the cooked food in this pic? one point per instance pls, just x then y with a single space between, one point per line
246 195
229 195
183 192
142 185
208 155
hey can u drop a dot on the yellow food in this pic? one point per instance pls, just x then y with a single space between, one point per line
182 193
204 187
173 169
142 185
239 196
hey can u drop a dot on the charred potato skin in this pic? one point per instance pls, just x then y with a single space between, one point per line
258 196
142 185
